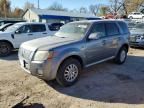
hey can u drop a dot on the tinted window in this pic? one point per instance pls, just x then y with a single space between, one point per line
99 28
38 28
112 29
55 26
124 27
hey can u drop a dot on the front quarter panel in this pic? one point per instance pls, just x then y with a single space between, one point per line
66 51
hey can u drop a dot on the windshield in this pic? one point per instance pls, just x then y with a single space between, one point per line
1 27
13 27
73 30
140 26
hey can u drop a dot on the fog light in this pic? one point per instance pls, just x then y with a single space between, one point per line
40 72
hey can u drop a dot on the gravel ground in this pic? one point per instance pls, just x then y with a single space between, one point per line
105 85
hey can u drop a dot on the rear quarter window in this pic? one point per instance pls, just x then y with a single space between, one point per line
124 27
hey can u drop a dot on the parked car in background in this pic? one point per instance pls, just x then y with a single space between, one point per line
137 35
55 26
75 46
18 33
2 22
136 15
131 25
3 27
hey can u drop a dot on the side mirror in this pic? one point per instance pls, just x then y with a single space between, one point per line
17 32
95 36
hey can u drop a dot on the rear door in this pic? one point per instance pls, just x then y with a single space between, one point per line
113 38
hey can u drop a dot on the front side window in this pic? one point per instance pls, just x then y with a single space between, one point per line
99 28
25 29
38 28
112 29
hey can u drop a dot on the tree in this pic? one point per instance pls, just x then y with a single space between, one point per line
83 10
103 10
17 12
94 9
116 6
57 6
5 8
125 6
134 5
28 5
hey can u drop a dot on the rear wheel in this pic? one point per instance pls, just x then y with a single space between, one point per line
131 17
5 49
121 56
68 72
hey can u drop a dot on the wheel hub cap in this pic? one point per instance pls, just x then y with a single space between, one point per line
123 56
71 73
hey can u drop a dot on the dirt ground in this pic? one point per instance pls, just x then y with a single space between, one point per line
105 85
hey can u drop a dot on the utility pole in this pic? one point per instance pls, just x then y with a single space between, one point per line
38 4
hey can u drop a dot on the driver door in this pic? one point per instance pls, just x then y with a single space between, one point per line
22 35
95 48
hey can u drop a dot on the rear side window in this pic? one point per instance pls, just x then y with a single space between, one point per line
38 28
112 29
123 27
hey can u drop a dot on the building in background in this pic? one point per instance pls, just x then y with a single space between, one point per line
52 16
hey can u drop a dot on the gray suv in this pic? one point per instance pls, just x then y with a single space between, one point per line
75 46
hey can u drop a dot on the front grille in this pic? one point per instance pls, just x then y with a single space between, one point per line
132 39
25 53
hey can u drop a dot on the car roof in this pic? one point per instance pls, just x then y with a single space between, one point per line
104 20
30 23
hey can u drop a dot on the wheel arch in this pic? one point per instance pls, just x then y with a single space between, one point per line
7 42
77 57
126 46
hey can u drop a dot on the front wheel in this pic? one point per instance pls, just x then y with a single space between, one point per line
5 49
68 72
121 56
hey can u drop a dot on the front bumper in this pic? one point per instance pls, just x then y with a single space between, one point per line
43 69
137 44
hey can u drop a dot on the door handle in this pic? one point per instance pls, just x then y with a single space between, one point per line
30 34
103 42
44 33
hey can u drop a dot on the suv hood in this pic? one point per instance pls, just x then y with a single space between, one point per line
5 33
46 43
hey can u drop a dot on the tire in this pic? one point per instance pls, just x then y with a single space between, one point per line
130 17
121 56
63 77
5 49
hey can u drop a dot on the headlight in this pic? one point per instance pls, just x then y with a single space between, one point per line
42 55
